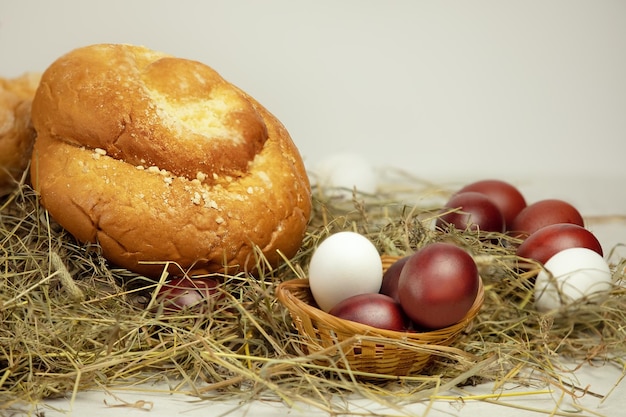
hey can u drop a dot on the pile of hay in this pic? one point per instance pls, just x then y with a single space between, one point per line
70 322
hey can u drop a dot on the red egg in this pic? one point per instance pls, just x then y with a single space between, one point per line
505 196
373 309
188 293
544 213
390 278
549 240
475 212
438 285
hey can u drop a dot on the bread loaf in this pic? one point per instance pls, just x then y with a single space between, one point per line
162 161
16 131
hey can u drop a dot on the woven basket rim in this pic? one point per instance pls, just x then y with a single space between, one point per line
284 293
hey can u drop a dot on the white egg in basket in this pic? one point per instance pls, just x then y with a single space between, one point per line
343 265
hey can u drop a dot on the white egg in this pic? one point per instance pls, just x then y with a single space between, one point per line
338 174
343 265
574 274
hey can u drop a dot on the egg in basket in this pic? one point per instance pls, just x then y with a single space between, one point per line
437 291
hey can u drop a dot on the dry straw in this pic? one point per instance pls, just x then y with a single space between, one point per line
69 321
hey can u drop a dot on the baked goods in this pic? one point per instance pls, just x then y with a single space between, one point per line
16 131
160 160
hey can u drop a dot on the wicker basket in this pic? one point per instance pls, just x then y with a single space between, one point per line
366 349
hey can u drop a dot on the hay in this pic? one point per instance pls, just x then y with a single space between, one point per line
70 322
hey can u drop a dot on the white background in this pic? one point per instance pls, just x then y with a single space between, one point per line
444 88
533 92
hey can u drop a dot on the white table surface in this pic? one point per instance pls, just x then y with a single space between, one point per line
599 380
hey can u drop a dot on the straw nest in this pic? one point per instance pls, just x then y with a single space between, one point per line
70 322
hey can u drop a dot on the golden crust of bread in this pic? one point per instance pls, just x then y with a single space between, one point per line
16 131
159 159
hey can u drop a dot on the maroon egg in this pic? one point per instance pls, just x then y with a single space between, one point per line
505 196
373 309
188 293
547 241
544 213
390 279
438 285
475 211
